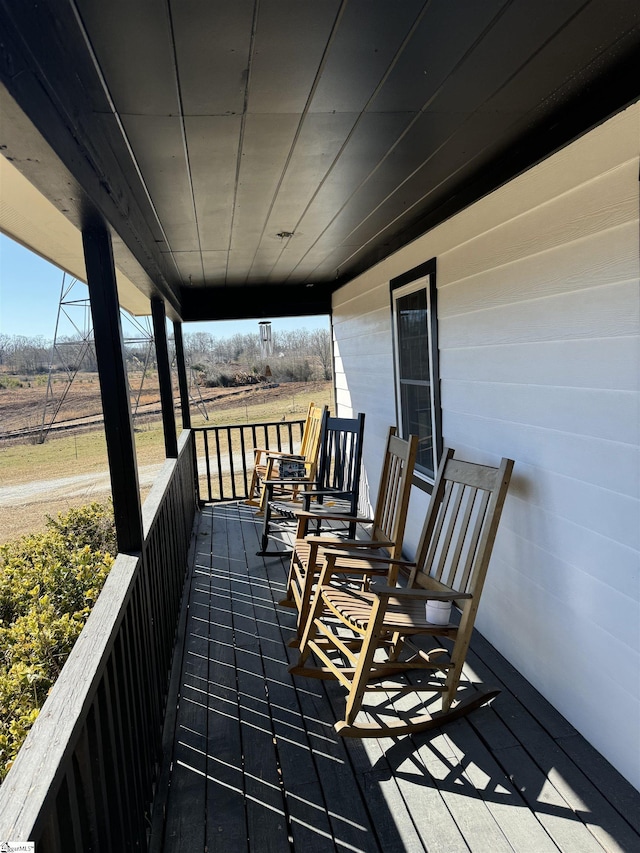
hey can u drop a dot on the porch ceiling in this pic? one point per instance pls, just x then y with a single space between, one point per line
251 156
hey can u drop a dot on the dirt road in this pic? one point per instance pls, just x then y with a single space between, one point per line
80 485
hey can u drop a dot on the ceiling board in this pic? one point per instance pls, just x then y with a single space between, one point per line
290 42
213 45
443 37
158 146
212 144
121 30
201 130
362 54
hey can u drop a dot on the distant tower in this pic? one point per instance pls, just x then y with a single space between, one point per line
73 346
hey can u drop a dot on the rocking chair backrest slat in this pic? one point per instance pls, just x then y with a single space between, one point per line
464 521
469 544
390 514
433 523
461 525
450 523
310 446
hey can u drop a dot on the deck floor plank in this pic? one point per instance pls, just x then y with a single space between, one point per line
349 819
267 822
257 765
309 823
226 801
520 827
185 828
526 725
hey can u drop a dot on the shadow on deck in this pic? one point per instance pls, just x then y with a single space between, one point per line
253 762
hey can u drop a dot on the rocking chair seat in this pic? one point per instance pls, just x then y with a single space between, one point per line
407 615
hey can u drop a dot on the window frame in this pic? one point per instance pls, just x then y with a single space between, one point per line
422 277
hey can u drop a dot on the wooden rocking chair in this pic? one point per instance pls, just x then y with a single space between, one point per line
267 462
384 536
335 489
384 619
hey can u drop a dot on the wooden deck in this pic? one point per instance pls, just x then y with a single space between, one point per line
253 762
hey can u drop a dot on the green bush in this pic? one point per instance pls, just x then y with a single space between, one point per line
48 585
10 382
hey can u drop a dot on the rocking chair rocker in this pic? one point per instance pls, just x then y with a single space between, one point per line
384 619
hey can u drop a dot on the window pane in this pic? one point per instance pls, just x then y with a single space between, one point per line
416 420
413 336
414 302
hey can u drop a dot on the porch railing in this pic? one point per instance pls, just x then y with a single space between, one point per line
225 455
85 775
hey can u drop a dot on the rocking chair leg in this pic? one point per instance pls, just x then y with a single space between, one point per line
310 629
365 661
288 600
305 601
396 647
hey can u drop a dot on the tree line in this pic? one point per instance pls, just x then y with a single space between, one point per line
301 354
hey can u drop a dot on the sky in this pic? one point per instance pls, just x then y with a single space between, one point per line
30 294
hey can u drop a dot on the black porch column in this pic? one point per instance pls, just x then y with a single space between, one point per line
114 388
164 377
182 376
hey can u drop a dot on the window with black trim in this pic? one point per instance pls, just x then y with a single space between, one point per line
415 331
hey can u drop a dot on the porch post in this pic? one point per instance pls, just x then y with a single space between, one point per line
114 387
164 377
182 376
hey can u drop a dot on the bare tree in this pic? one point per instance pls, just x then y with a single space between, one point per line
5 347
320 346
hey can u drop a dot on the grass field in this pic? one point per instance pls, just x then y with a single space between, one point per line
86 452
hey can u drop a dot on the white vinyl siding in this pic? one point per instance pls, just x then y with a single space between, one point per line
539 330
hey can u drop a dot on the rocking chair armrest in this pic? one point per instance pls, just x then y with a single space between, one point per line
415 592
282 454
315 492
291 482
328 541
365 571
271 452
372 558
324 516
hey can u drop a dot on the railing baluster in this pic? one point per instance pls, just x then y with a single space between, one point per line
276 435
243 453
234 492
207 462
219 458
